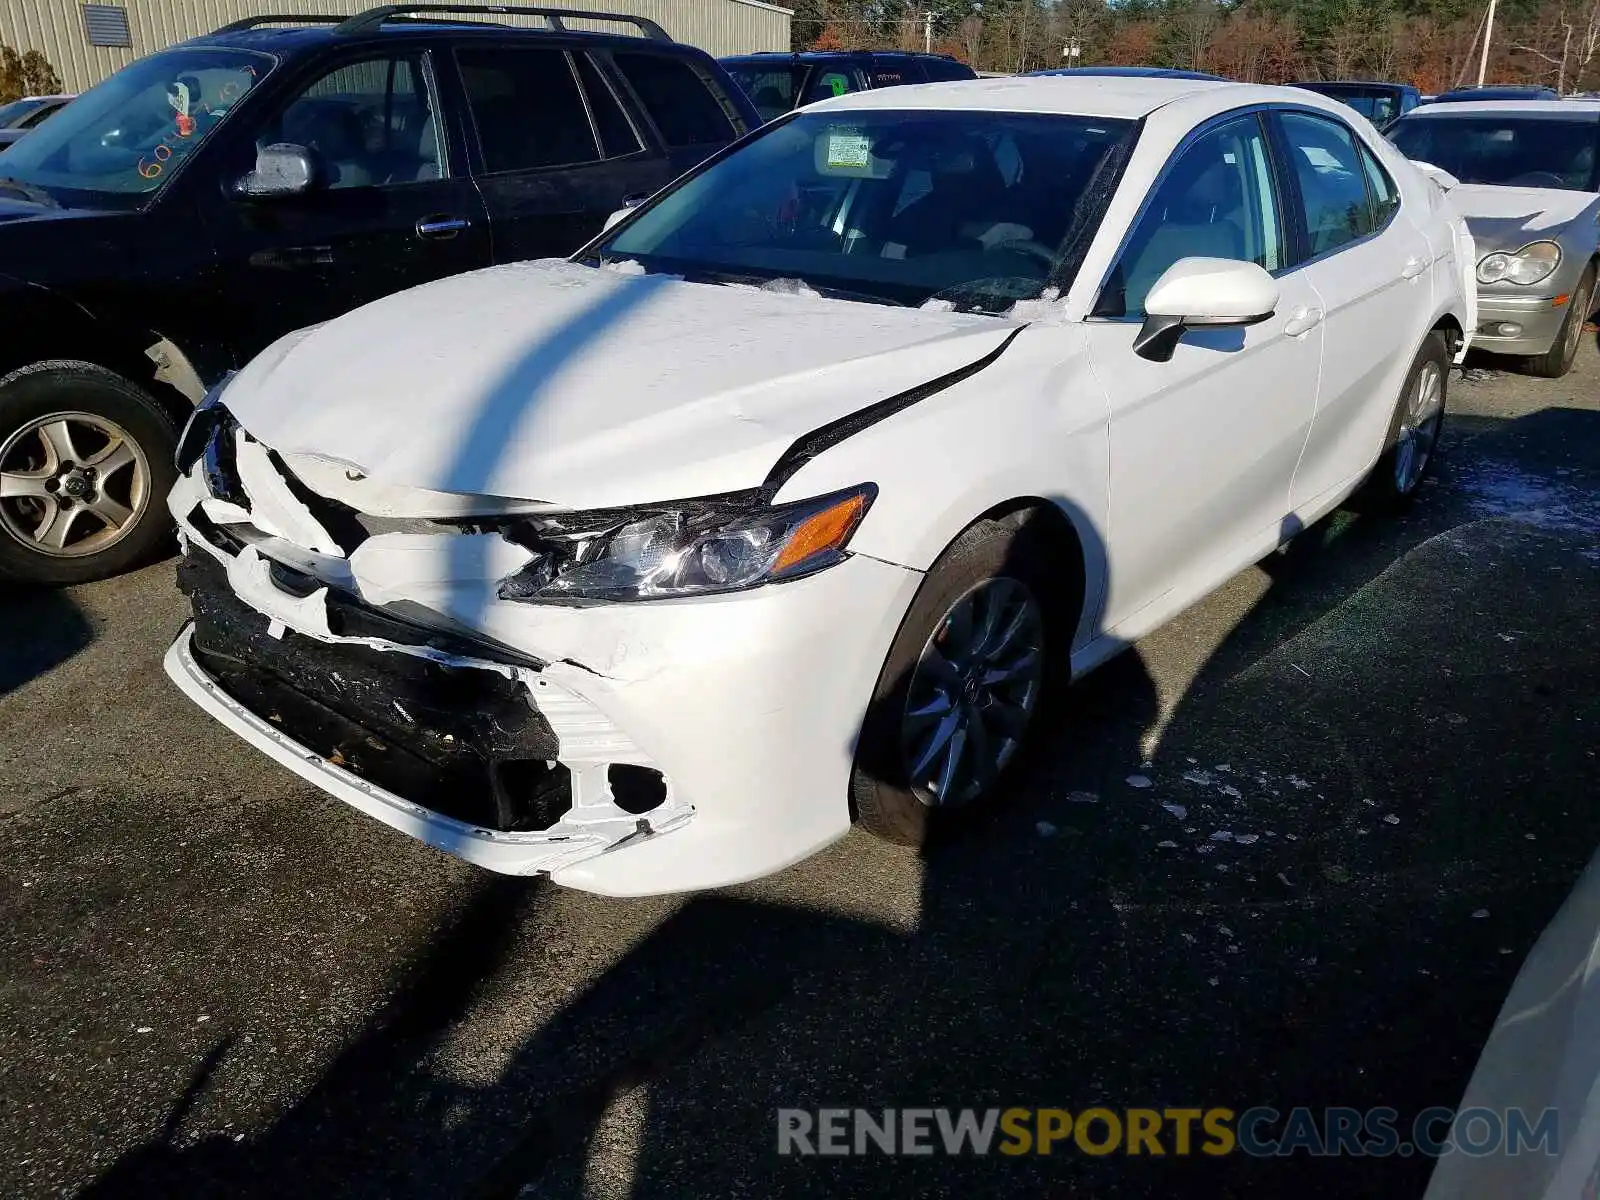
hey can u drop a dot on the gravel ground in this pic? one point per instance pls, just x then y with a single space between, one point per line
1371 766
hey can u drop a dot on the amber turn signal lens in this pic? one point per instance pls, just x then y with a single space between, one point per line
821 532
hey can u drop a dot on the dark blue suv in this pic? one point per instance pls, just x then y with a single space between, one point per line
778 82
172 222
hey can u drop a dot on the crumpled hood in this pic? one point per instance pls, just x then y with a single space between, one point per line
1508 218
581 387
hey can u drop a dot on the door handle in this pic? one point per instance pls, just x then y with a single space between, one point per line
1302 321
441 227
1415 265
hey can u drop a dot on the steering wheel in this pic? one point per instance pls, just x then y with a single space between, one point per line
1026 246
1538 179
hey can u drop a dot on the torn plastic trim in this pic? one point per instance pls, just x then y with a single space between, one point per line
809 446
584 832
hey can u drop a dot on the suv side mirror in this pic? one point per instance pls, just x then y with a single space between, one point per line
1203 293
629 203
282 169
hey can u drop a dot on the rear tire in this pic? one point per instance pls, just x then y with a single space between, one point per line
980 679
1557 361
85 468
1414 429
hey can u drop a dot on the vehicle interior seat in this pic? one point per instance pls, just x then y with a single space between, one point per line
1203 220
334 131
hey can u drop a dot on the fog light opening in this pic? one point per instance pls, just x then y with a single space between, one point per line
530 795
636 789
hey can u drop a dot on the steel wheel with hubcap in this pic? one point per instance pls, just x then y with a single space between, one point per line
72 484
973 692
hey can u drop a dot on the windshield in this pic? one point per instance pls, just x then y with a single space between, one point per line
1508 149
13 114
974 209
119 142
1378 105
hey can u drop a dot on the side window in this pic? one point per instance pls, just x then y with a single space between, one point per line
1333 186
833 81
1216 201
1385 196
617 135
526 108
678 98
370 122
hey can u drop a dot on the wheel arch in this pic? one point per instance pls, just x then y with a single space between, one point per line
45 327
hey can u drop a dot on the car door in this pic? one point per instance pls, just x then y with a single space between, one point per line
1371 268
390 211
1202 447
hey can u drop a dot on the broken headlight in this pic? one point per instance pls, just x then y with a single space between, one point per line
202 423
687 551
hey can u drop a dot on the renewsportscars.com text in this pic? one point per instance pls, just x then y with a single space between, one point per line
1260 1132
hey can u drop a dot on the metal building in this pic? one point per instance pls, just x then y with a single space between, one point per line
87 42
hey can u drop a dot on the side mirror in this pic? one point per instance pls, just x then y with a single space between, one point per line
282 169
629 203
1203 293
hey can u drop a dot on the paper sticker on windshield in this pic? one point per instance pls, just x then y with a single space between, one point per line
849 148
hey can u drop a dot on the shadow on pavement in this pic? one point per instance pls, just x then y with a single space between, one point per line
1358 818
40 628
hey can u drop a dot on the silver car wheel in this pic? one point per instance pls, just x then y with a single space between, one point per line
1419 427
973 692
72 484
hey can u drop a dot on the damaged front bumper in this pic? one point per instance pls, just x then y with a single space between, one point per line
626 749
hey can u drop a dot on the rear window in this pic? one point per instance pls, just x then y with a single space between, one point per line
942 70
892 73
678 98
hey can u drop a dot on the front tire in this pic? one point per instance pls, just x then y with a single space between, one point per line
85 468
1414 431
1557 361
965 680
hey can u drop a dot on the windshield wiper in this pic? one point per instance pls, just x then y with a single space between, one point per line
28 191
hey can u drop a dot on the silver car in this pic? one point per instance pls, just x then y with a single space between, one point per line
1526 175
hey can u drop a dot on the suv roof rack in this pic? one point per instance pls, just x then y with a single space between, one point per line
277 19
372 18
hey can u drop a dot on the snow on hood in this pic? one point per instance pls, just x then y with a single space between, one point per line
559 383
1508 218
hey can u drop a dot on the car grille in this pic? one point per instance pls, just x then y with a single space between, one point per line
464 741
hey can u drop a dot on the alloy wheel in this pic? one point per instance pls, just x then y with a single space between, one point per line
1419 427
973 692
72 484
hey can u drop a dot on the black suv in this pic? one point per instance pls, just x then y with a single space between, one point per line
175 220
778 82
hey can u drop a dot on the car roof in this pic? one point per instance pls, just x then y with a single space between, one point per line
1560 110
1126 97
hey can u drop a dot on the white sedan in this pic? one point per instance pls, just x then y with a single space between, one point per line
785 502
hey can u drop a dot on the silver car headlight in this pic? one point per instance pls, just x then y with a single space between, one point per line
1534 263
692 549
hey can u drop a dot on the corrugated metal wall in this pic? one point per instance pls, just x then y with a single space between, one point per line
55 27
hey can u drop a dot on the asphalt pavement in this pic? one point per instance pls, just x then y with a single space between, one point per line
1289 851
